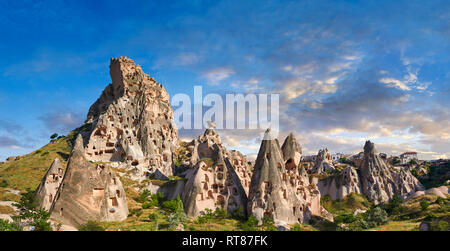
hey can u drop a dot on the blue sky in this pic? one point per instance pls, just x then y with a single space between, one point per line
346 71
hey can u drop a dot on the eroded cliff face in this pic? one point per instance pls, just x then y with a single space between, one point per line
88 192
323 162
340 185
283 194
132 123
218 178
380 182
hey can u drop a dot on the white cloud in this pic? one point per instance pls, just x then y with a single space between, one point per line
216 75
395 83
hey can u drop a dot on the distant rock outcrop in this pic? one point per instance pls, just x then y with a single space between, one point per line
442 191
379 182
285 195
89 192
323 162
340 185
292 152
218 179
46 192
132 123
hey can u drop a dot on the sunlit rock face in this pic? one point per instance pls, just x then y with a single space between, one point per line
88 192
132 123
323 162
340 185
218 178
380 182
283 194
292 152
46 192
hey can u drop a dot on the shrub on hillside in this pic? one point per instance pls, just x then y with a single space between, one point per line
9 226
424 204
91 226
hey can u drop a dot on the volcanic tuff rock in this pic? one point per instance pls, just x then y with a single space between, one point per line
218 179
323 162
49 186
379 182
285 195
88 192
340 185
292 152
132 122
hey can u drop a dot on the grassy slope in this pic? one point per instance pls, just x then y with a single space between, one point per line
28 171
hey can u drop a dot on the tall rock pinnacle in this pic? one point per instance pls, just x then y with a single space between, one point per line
132 122
381 182
88 192
281 192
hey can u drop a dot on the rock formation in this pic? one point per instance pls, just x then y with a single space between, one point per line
285 195
214 181
88 192
442 191
323 162
292 152
132 122
340 185
49 186
379 182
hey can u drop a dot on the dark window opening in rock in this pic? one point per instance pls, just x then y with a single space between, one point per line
109 151
210 194
50 198
61 211
118 193
220 198
268 155
279 166
293 210
290 164
109 144
114 202
236 162
164 157
205 186
135 163
284 194
284 176
219 176
129 157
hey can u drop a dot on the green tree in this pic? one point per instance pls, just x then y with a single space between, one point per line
376 217
268 224
413 162
178 217
424 204
156 217
251 224
143 197
53 136
31 214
